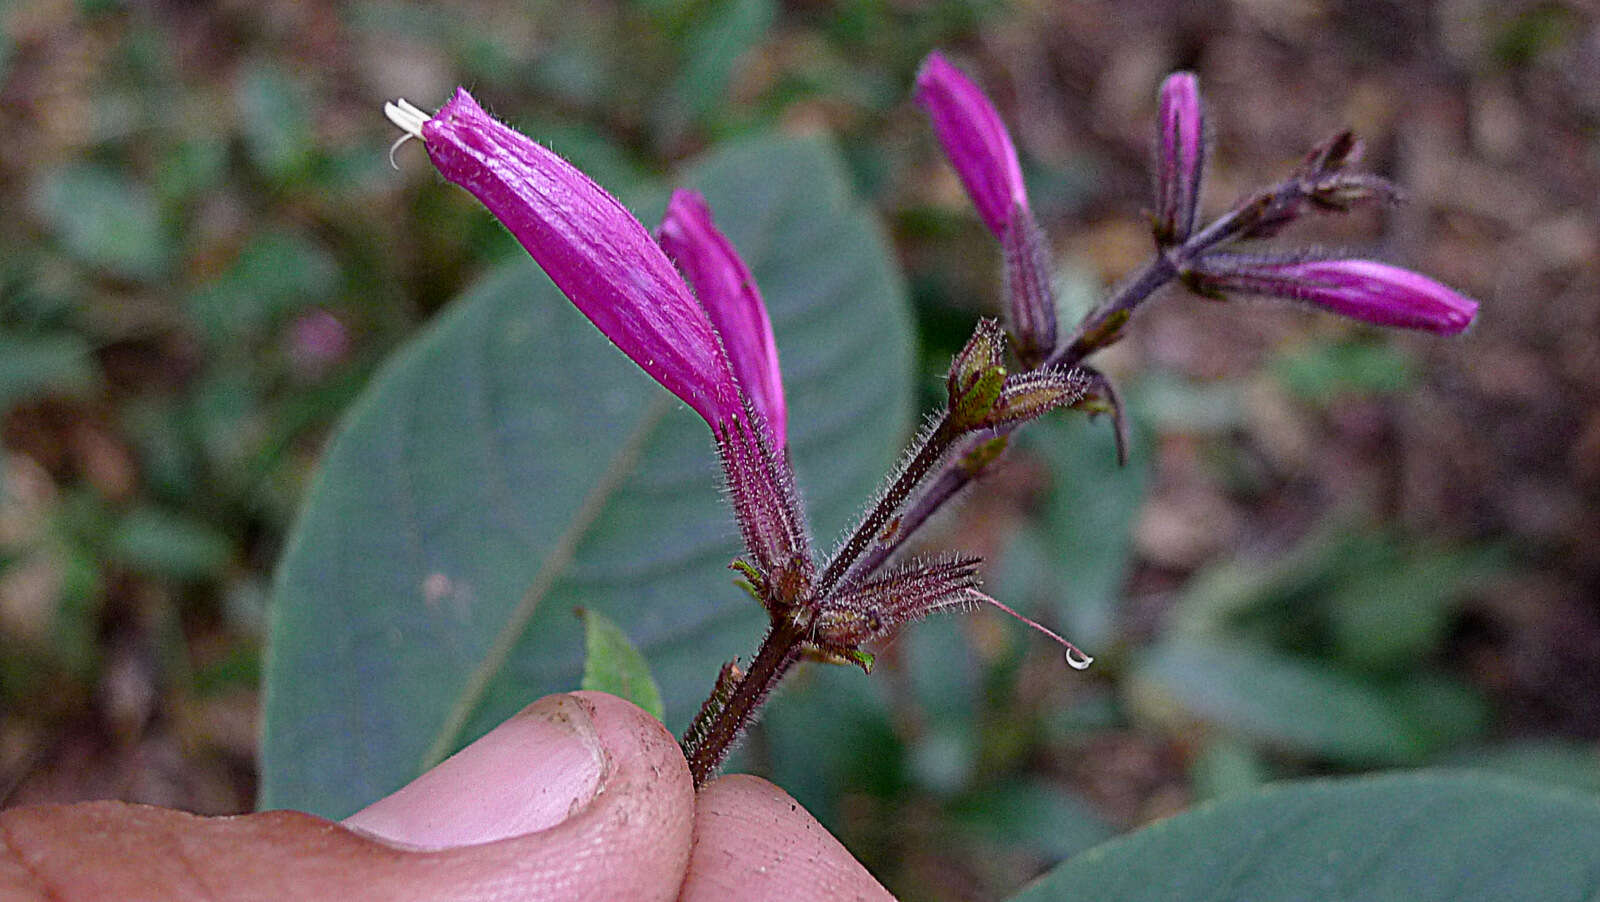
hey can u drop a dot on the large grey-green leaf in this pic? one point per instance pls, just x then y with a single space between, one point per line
1417 837
1290 702
511 465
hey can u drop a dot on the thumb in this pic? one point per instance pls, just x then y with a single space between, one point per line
527 775
581 796
613 826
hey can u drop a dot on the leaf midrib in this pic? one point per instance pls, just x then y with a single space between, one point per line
555 563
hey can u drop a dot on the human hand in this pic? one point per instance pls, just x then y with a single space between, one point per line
579 796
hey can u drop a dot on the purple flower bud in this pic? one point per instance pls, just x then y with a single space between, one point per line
974 139
592 248
1182 157
1360 289
729 295
980 148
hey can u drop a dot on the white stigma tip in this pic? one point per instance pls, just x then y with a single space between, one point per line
409 119
1077 660
405 115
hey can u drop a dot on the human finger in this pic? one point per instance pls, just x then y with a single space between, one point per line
629 838
752 842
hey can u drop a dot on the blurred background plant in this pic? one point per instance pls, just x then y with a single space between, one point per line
1333 549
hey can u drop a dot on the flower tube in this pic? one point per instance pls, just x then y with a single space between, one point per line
1360 289
592 248
607 264
975 140
725 288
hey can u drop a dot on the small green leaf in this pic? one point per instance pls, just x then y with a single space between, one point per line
1414 837
611 664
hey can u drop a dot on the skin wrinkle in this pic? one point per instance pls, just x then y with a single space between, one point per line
174 842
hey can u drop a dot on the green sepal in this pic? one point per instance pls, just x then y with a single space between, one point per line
977 375
973 405
974 461
862 659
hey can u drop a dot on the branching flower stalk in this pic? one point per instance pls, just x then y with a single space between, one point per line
685 308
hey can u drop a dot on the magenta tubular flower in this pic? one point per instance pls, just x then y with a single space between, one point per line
1181 153
975 141
595 251
605 262
728 292
1360 289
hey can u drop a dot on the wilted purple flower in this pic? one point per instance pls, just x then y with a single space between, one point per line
1181 155
979 147
1361 289
974 139
728 292
594 250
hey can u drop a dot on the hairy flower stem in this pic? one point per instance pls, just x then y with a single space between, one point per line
1096 331
901 511
938 441
1090 335
722 720
1101 326
718 727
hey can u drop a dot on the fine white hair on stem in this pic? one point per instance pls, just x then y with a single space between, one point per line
409 119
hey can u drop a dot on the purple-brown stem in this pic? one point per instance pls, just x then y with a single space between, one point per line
718 727
933 449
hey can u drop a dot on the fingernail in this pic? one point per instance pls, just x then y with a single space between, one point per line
530 773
